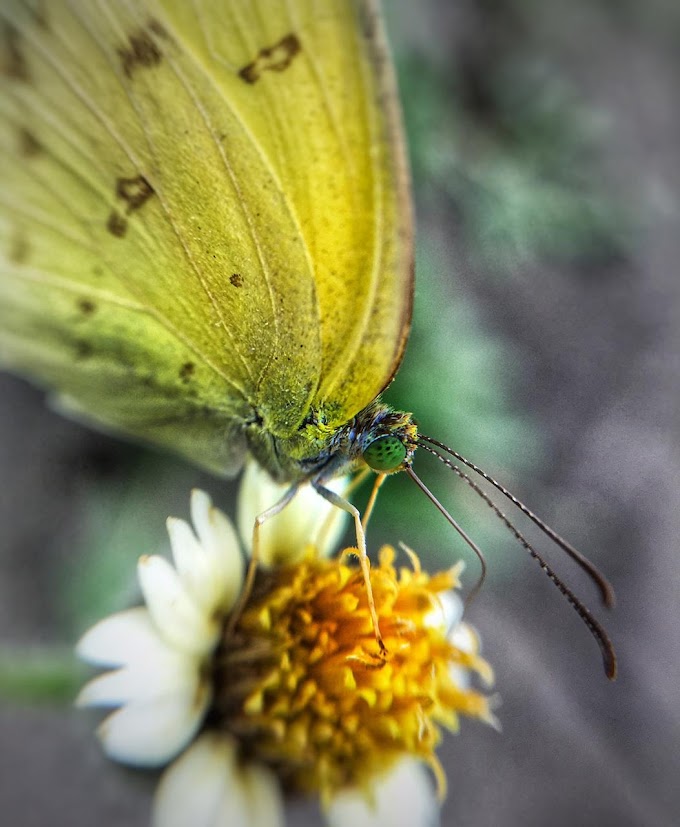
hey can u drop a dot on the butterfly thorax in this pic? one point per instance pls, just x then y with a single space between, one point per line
320 451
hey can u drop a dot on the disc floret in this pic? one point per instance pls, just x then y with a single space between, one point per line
316 701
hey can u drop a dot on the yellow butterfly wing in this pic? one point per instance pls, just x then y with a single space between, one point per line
321 98
203 215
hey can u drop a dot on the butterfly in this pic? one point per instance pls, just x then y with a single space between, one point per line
207 236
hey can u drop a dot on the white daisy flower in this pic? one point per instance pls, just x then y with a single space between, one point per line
297 696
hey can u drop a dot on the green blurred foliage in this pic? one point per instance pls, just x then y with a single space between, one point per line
121 522
521 176
39 675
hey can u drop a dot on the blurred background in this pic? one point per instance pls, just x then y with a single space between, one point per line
545 147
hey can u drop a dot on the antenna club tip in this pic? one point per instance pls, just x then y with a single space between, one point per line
611 668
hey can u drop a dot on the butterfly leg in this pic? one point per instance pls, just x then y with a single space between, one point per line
260 520
379 480
364 562
356 481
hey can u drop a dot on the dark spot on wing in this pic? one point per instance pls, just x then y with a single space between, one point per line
368 22
39 13
86 306
236 279
187 371
29 145
83 349
18 248
134 192
158 28
140 52
116 224
13 61
274 58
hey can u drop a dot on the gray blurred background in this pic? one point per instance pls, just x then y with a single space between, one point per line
545 144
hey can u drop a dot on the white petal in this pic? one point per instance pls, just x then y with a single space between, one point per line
215 531
202 788
464 637
446 613
150 733
257 492
325 523
125 637
190 560
201 576
178 618
220 543
166 671
308 519
263 793
404 798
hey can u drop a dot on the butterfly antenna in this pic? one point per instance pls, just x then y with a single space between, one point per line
593 626
604 586
471 543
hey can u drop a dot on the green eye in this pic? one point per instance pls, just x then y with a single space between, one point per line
386 453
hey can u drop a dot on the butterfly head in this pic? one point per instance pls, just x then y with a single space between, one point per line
388 444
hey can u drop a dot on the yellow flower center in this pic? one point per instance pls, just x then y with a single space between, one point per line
303 687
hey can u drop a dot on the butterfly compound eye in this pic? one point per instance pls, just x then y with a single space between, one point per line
386 453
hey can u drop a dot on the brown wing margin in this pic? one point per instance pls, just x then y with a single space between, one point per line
392 108
374 348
